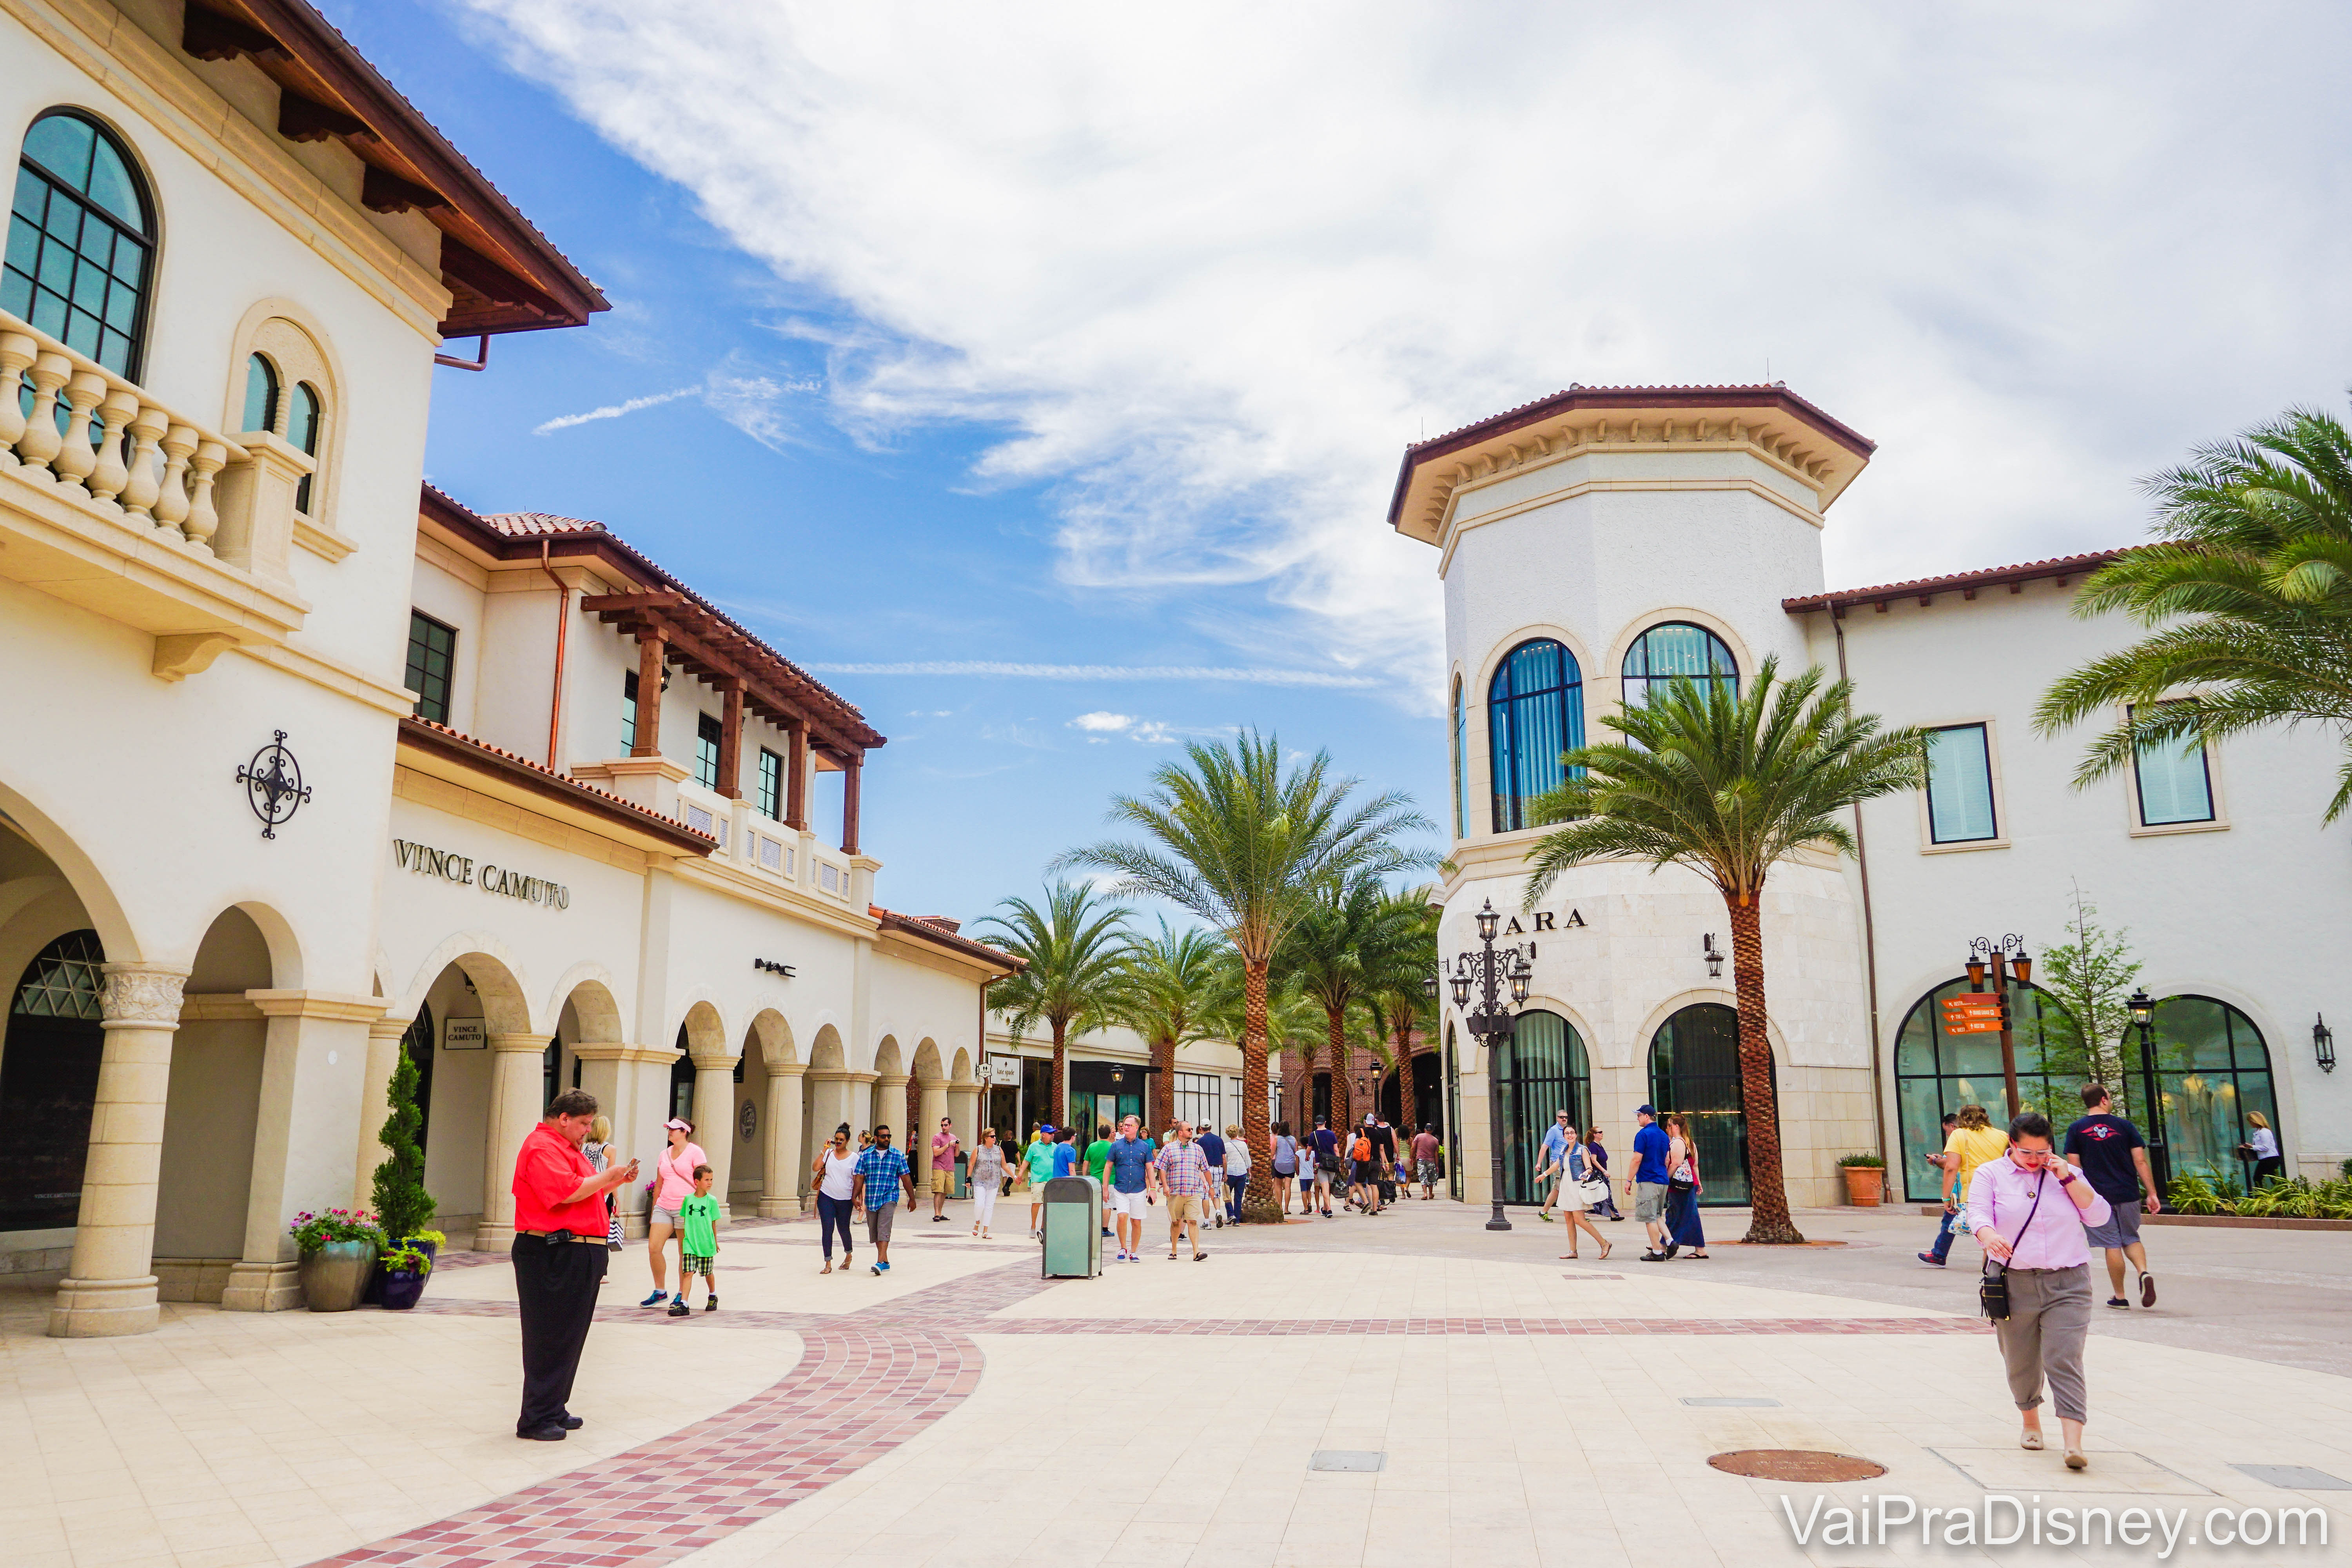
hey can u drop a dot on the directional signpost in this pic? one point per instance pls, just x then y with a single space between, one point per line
1972 1013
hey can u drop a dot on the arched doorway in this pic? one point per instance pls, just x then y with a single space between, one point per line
1539 1070
2212 1071
1695 1071
1936 1073
48 1082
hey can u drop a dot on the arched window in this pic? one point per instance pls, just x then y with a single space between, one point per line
48 1083
1935 1073
1695 1072
302 421
1461 732
1673 650
260 393
1541 1070
81 241
1535 712
2211 1071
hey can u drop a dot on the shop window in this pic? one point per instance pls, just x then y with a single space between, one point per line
48 1083
304 419
1539 1071
1453 1116
2174 781
82 242
260 393
706 735
1196 1100
1960 785
2212 1071
681 1079
1936 1073
1695 1072
1535 712
432 655
771 785
1674 651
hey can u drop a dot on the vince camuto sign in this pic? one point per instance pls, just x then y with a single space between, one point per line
452 867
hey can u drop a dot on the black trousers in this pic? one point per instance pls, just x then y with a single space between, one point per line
555 1285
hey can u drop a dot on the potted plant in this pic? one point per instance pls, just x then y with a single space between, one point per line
339 1249
401 1272
1866 1179
402 1203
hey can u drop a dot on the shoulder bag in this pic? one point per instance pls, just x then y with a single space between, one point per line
1592 1190
1992 1289
1684 1177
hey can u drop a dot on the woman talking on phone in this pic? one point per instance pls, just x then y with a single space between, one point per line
2029 1210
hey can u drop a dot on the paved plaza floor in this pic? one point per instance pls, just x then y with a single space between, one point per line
962 1411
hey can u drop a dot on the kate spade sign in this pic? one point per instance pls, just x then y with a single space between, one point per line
452 867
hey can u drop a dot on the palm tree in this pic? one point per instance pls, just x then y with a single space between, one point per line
1163 995
1240 842
2255 551
1728 786
1338 928
1399 1005
1292 1020
1071 950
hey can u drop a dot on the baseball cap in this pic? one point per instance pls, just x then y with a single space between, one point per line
1645 1110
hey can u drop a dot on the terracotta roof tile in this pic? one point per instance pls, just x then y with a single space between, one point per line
931 927
2028 572
602 797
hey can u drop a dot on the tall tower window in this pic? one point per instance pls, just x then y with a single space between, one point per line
1535 712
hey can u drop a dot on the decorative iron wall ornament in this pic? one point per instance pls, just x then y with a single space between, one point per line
273 785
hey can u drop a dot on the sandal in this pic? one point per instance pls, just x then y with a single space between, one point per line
828 1267
1604 1252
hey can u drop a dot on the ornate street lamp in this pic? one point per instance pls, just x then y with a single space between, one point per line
2002 960
1491 975
2142 1008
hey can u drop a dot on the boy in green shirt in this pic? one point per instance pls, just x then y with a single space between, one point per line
697 1219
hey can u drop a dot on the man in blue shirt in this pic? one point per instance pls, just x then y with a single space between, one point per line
1065 1153
1647 1185
1130 1161
1555 1160
880 1172
1212 1150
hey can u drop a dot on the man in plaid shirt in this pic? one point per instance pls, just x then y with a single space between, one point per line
1182 1172
881 1171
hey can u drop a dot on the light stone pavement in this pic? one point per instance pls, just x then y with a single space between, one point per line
1531 1410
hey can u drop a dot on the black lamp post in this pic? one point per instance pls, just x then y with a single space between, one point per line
2002 959
2142 1007
1489 974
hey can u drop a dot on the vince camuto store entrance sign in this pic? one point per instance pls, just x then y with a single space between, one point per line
452 867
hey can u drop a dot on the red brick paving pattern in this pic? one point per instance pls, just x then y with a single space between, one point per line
867 1382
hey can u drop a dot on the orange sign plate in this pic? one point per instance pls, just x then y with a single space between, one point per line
1972 1013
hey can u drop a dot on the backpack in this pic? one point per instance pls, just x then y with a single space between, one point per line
1362 1151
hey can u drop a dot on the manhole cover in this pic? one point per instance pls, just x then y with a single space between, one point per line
1795 1465
1347 1459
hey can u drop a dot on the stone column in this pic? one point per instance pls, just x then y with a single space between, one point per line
714 1120
834 1099
517 1066
890 1107
963 1105
932 1106
109 1284
315 1055
785 1155
384 1036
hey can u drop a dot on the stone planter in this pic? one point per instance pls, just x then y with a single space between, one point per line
1865 1185
336 1275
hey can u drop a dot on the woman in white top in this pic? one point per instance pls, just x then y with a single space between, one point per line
1238 1169
2264 1143
673 1185
834 1173
1575 1168
987 1180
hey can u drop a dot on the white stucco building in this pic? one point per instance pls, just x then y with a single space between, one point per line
1599 539
234 253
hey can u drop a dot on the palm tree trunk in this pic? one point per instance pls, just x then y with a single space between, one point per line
1767 1188
1054 1093
1159 1103
1258 1202
1341 1113
1407 1106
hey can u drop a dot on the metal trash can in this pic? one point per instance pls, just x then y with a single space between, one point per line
1073 1221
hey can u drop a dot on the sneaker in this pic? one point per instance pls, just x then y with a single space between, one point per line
883 1268
1931 1258
677 1309
711 1305
876 1272
656 1299
2147 1289
2119 1302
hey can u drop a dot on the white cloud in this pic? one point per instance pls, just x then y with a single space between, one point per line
752 403
1102 722
613 410
1188 672
1213 267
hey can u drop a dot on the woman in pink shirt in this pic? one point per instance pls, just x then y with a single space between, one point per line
2029 1210
673 1185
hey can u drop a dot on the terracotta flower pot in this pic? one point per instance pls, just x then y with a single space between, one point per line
335 1277
1865 1185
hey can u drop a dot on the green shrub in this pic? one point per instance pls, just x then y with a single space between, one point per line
400 1196
1864 1160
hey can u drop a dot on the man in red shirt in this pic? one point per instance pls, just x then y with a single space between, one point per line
559 1258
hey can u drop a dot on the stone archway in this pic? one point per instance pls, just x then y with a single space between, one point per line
488 1067
887 1105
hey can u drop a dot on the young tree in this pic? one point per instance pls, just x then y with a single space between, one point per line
2090 975
1338 949
1163 995
1071 950
1401 1006
403 1207
1240 841
1728 786
2254 564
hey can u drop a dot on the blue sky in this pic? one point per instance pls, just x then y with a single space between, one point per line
1052 336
